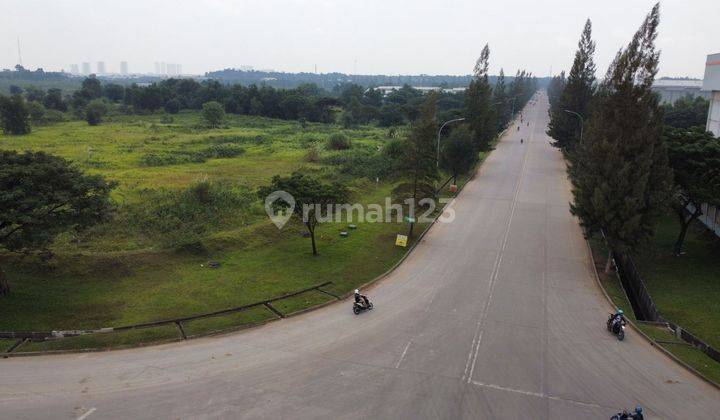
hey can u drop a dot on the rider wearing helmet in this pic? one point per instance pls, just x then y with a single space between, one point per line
638 415
361 299
618 317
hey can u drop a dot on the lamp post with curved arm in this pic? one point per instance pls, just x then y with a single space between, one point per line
437 159
580 117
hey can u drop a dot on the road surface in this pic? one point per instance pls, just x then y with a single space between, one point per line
495 315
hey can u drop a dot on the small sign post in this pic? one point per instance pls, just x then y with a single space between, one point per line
401 240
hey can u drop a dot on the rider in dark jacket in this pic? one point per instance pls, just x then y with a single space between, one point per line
361 299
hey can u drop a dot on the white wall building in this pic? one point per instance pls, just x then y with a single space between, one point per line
711 83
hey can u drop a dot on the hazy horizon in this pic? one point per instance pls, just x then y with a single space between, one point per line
371 37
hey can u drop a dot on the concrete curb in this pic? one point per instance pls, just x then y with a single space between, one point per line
231 330
642 333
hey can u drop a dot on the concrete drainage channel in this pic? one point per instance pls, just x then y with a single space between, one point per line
638 306
24 337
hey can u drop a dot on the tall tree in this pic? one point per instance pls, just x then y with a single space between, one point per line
621 178
15 115
419 153
695 159
458 152
576 95
310 195
478 105
43 195
501 102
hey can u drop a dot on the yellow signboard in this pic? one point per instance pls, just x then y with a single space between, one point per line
401 240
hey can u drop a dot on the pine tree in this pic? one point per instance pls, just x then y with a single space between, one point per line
500 102
576 95
478 106
621 178
419 152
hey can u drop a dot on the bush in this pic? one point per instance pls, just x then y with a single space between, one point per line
224 150
171 158
54 116
95 111
172 106
338 141
167 119
181 218
313 155
37 112
363 163
394 148
213 113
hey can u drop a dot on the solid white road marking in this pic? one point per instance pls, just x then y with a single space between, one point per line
402 356
87 414
535 394
477 337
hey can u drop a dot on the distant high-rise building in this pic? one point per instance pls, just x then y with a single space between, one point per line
178 67
101 67
157 67
170 69
163 68
74 69
123 67
86 68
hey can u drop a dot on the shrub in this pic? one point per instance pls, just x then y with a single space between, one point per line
394 148
213 113
363 163
172 106
183 217
171 158
313 155
224 150
95 111
338 141
54 116
167 119
37 112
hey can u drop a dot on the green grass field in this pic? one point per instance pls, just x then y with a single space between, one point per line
687 300
115 275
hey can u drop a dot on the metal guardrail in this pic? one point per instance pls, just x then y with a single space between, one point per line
25 336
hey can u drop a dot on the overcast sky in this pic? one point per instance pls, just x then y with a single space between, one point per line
367 36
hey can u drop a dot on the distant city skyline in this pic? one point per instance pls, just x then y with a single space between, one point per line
369 37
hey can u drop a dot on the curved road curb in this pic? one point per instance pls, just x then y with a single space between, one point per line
237 328
642 333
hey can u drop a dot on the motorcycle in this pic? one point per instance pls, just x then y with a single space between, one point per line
617 328
361 306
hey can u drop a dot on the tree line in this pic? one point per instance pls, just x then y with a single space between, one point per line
54 196
631 159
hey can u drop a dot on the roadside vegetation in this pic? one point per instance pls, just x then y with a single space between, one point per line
187 167
640 172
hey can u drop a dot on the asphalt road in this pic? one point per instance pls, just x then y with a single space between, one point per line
495 315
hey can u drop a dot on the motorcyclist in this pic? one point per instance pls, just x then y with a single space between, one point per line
361 299
619 316
638 415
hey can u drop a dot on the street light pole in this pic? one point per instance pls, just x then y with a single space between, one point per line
437 160
580 117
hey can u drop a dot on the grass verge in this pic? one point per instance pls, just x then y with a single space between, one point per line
688 354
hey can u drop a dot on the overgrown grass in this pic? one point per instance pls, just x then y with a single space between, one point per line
133 270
